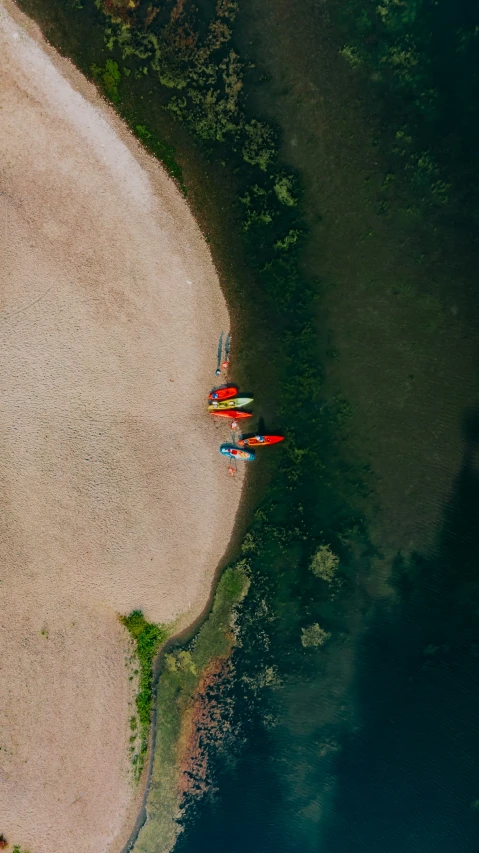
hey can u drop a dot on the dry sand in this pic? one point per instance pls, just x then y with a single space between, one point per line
113 493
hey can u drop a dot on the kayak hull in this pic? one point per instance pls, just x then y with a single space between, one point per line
255 440
224 392
236 414
234 403
234 452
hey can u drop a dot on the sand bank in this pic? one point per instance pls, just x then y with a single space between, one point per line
113 493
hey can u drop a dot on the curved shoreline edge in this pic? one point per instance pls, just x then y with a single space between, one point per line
204 584
180 639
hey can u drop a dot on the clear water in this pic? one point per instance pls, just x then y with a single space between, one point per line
372 743
375 746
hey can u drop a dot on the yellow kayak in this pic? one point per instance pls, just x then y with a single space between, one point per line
234 403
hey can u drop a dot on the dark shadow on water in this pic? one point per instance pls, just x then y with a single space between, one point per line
405 779
261 426
408 779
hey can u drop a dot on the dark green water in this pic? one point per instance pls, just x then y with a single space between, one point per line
369 743
372 742
404 776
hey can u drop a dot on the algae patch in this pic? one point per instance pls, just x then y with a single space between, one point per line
178 688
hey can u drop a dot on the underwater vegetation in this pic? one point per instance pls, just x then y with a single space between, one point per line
180 764
420 61
181 60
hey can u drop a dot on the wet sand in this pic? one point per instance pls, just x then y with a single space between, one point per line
113 493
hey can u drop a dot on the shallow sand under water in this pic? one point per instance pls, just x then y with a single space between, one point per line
113 493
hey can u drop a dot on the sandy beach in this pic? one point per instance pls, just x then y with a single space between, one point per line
113 493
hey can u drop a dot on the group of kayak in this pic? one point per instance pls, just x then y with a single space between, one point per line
224 402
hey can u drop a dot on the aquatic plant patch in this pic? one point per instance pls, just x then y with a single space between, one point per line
184 672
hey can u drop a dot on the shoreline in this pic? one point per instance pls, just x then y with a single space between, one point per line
178 687
168 196
356 558
180 638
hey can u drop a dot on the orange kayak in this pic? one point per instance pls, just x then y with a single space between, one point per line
224 392
260 440
234 414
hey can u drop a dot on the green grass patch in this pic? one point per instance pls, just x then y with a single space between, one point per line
201 83
176 690
148 639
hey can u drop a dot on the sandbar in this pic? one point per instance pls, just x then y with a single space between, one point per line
113 493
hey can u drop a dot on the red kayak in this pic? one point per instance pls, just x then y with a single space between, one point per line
260 440
224 392
234 414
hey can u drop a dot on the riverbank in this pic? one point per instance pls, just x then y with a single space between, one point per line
308 498
352 333
115 495
375 710
179 770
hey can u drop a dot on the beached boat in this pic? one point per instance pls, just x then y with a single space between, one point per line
224 392
236 453
234 403
260 440
235 414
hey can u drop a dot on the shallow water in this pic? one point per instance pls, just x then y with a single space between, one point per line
375 745
371 743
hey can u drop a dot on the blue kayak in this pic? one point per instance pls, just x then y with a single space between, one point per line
236 452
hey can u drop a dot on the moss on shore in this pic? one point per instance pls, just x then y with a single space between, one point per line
177 686
178 63
148 638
